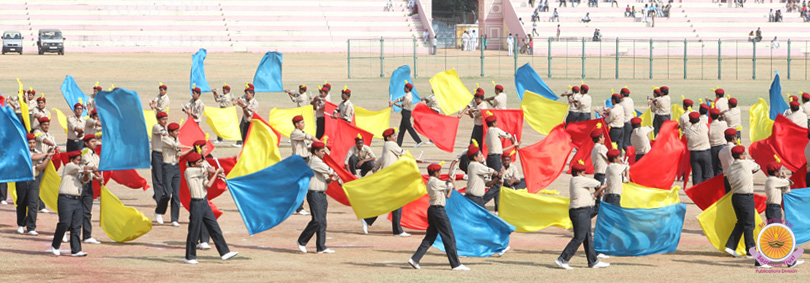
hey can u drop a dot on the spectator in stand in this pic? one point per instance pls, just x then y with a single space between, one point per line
774 43
644 12
558 32
426 35
531 45
534 29
627 11
597 35
389 6
758 35
751 36
545 6
531 3
666 10
586 18
562 3
633 12
554 16
778 17
510 44
435 44
521 22
614 2
771 16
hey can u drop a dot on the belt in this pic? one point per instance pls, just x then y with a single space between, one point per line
320 192
200 199
495 154
437 206
70 196
744 194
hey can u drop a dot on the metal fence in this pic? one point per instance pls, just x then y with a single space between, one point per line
583 58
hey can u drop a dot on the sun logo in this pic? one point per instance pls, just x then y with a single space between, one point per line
776 242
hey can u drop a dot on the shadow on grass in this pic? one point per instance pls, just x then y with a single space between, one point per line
748 263
25 252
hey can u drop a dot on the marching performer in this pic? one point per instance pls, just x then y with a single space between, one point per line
249 106
70 205
89 160
345 109
301 98
195 106
161 102
224 100
75 131
316 197
580 209
406 103
616 174
158 132
172 152
28 191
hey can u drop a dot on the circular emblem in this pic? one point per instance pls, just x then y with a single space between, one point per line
776 242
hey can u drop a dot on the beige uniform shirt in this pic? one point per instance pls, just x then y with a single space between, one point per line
300 99
73 123
741 176
300 143
585 103
476 109
725 156
224 100
71 180
573 100
721 104
499 102
36 114
42 136
797 117
35 163
90 126
345 111
322 173
321 105
579 190
90 104
390 154
661 105
640 139
774 188
432 103
493 140
251 107
89 158
407 101
807 155
171 147
683 121
477 176
806 108
161 103
697 136
615 118
732 117
196 177
364 153
511 173
437 191
14 102
629 109
158 132
599 158
614 178
717 134
197 108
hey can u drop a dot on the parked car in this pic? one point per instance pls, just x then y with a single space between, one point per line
12 42
50 40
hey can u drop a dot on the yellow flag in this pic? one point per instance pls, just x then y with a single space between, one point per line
374 122
224 122
387 189
24 110
759 121
541 113
121 223
258 152
638 196
451 94
718 221
281 119
647 120
151 121
533 212
49 187
12 190
63 119
677 112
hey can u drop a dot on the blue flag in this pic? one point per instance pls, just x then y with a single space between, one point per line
796 213
73 93
268 74
15 159
198 72
126 142
637 232
267 197
778 105
527 79
478 232
396 87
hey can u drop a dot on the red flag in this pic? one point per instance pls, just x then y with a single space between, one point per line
257 117
2 101
440 129
129 178
798 178
659 167
763 153
191 132
710 191
340 137
214 191
543 161
335 190
684 168
414 214
783 142
581 139
510 121
57 160
631 155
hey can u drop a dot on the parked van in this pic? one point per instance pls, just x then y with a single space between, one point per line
12 42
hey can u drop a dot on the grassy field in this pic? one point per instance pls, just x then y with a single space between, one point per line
273 255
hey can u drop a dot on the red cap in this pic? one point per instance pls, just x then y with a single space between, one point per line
657 91
30 136
303 87
388 132
77 105
44 119
625 90
173 126
359 137
596 133
97 88
635 121
805 95
714 111
732 101
665 88
327 87
491 119
719 91
472 150
613 153
72 154
704 106
32 92
738 149
794 98
88 137
318 145
694 115
479 91
688 102
730 132
249 87
578 167
347 91
41 98
297 119
93 112
773 166
196 89
508 154
575 88
162 115
794 104
434 167
616 95
584 87
499 87
199 143
227 87
163 87
409 85
193 156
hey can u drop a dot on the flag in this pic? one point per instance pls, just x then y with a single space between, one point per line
49 187
581 139
647 121
214 191
197 77
624 231
120 112
799 178
718 221
659 167
150 120
260 150
22 98
266 198
281 119
541 113
526 79
73 93
440 129
759 121
224 122
335 190
677 111
129 178
15 154
396 86
543 161
638 196
191 132
796 203
785 135
374 122
414 214
62 119
339 136
387 189
705 194
778 104
530 212
450 92
479 233
268 74
121 223
510 121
